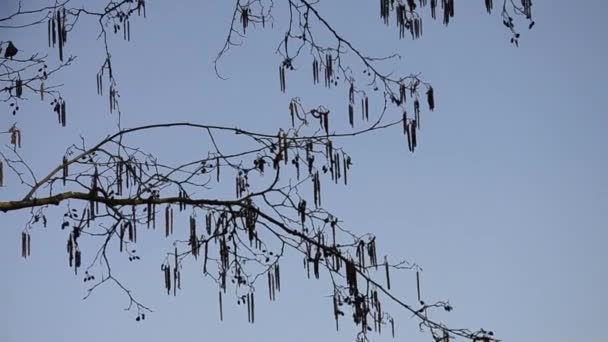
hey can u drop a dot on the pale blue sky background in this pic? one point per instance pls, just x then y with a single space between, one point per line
505 203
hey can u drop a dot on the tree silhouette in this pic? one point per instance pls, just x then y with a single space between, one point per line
112 192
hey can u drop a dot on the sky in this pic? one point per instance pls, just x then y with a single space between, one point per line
504 204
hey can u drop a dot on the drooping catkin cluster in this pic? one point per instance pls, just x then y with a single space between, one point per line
193 241
242 184
293 111
15 136
245 13
329 69
489 6
316 181
59 107
274 281
365 108
57 31
315 71
351 104
249 300
172 276
74 256
18 87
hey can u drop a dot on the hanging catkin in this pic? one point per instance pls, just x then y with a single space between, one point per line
221 310
388 278
418 285
217 176
430 98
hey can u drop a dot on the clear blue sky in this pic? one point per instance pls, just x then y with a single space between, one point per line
505 203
